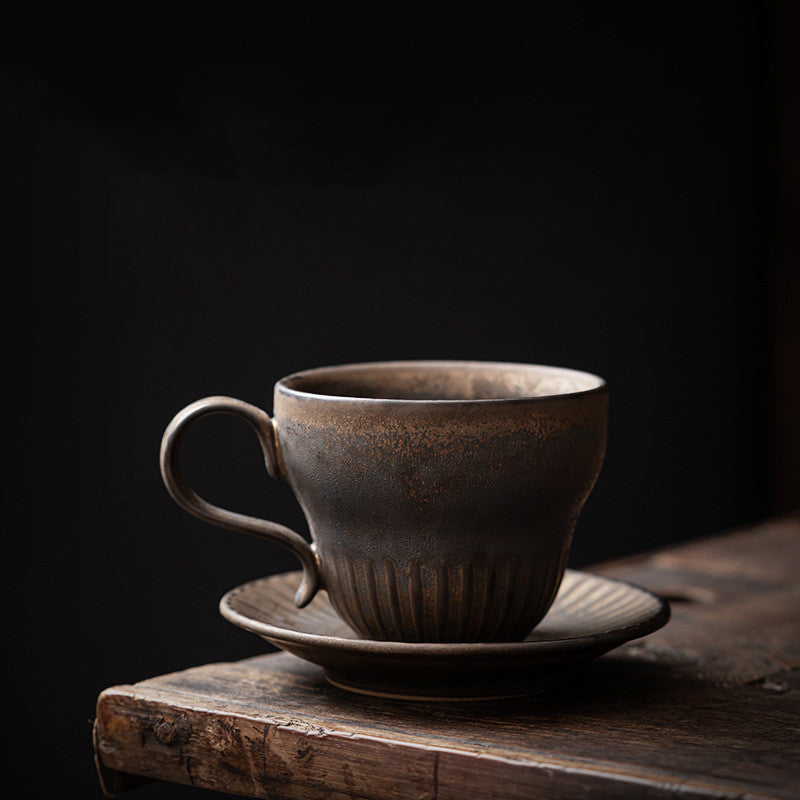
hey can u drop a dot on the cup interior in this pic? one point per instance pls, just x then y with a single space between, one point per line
441 381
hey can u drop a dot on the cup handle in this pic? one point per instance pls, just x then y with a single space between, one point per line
185 497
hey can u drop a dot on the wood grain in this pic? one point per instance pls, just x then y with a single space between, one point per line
707 707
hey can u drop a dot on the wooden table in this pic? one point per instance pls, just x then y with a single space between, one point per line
707 707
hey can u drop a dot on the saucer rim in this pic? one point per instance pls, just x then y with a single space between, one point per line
274 633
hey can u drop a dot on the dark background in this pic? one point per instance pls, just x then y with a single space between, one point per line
200 204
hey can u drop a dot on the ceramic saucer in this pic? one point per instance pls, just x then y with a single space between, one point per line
591 615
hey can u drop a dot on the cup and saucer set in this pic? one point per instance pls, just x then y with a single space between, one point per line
441 497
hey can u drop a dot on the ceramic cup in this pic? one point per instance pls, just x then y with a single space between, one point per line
441 496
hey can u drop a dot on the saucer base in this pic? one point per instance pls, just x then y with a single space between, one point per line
464 692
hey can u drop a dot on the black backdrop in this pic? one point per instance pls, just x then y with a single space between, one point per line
199 205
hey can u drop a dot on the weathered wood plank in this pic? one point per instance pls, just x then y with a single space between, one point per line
735 602
706 707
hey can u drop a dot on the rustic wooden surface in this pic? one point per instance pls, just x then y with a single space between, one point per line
708 707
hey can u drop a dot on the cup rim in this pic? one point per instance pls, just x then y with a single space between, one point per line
283 386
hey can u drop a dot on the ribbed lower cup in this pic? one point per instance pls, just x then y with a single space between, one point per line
486 600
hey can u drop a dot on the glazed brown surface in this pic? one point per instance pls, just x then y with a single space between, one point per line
443 520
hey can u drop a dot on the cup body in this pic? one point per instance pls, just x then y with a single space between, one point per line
441 496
